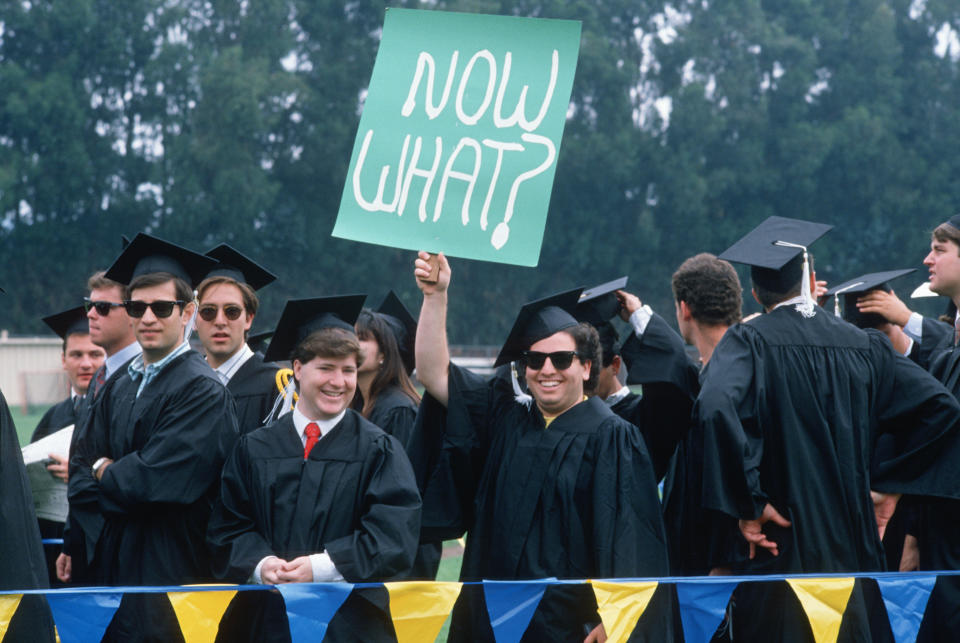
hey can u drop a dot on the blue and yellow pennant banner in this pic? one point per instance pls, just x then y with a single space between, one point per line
419 609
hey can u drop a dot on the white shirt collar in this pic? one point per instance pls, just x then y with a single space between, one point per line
230 367
613 398
300 422
121 357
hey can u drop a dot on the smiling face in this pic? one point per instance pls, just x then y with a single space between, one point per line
943 262
327 385
222 337
554 390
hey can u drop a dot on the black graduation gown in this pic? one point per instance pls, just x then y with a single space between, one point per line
254 390
698 538
575 500
937 525
355 497
659 363
395 413
60 415
84 520
57 417
937 336
21 555
168 447
791 409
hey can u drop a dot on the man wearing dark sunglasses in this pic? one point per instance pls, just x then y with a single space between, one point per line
111 330
155 443
228 303
548 484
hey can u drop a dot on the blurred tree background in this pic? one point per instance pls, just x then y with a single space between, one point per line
209 121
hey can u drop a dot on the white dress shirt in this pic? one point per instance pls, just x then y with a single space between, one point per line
230 367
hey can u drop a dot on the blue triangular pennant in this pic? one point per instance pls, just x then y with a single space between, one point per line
511 605
906 600
83 616
311 606
702 605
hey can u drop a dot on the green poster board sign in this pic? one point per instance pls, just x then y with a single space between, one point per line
458 141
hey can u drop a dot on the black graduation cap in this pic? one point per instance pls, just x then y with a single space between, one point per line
538 320
301 317
239 267
403 325
598 305
258 341
954 221
852 289
69 322
147 254
774 266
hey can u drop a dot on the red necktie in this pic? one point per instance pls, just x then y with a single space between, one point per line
100 379
313 435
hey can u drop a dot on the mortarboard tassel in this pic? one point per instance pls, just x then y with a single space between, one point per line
519 395
808 306
836 297
188 330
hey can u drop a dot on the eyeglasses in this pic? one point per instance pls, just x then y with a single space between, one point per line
161 309
209 313
561 360
103 307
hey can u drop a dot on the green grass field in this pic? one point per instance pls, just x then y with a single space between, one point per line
26 423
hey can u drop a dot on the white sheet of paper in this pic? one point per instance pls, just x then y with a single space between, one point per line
49 492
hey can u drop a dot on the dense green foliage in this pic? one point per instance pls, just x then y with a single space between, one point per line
205 121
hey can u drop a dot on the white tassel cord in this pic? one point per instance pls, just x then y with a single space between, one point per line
836 297
807 308
518 394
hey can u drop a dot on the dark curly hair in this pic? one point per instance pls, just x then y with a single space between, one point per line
711 288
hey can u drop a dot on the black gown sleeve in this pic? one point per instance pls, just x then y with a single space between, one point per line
235 542
919 430
448 450
659 362
181 458
732 440
628 534
385 543
89 443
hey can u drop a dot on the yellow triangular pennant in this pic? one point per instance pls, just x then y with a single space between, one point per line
824 600
199 613
8 607
621 605
419 608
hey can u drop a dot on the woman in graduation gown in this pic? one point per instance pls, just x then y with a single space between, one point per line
344 502
385 394
560 488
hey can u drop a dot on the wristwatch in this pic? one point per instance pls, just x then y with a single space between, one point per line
99 463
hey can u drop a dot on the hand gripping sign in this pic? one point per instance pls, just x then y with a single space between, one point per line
458 141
